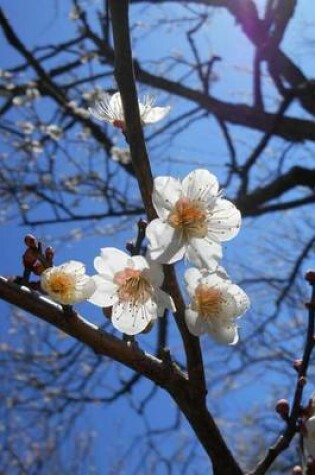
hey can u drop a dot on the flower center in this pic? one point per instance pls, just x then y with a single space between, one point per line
120 124
207 301
61 284
133 286
190 217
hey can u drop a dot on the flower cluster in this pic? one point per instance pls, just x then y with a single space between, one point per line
193 220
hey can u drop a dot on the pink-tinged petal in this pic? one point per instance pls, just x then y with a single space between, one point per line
225 334
113 260
105 294
132 319
163 301
165 245
224 222
200 185
166 192
195 323
154 114
204 253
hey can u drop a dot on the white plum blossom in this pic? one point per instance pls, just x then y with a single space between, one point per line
27 127
215 305
54 131
68 283
192 220
121 155
131 286
110 109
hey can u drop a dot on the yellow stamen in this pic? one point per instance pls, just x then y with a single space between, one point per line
133 286
61 284
207 301
189 216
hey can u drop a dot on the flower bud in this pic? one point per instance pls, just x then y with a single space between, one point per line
297 470
29 257
30 241
142 224
282 408
38 267
302 381
49 254
297 365
310 277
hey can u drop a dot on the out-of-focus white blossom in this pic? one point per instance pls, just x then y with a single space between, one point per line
215 305
32 93
121 155
5 74
27 127
78 110
110 109
75 13
132 287
192 220
54 131
68 283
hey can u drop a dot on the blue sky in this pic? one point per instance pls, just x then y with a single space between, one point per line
43 22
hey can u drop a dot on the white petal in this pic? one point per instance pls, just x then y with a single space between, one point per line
165 245
154 114
225 334
192 277
101 109
214 279
195 323
224 222
132 319
105 294
203 252
155 272
166 191
228 308
139 263
72 267
101 266
200 185
86 290
114 260
116 106
241 299
163 301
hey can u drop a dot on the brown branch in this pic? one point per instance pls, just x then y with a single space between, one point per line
279 64
287 435
289 128
297 176
191 397
101 342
